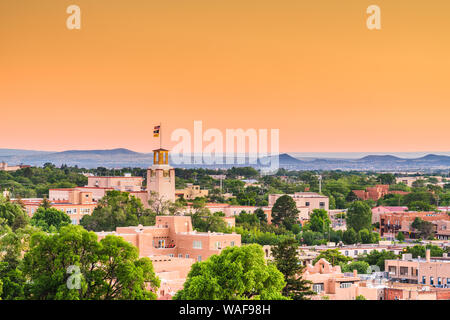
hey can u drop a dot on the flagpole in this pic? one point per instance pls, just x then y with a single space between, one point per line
160 136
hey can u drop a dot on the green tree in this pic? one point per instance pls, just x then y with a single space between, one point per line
286 260
377 258
386 178
261 215
319 221
333 256
420 206
284 212
238 273
359 216
109 269
424 228
364 236
360 297
400 236
204 221
13 244
50 219
118 209
350 236
12 214
361 266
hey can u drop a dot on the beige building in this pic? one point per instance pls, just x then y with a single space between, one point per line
306 202
5 167
434 272
330 283
191 192
121 183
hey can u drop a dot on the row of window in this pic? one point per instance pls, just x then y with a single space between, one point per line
321 204
440 281
355 252
199 258
197 244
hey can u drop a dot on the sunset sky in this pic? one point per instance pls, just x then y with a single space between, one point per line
309 68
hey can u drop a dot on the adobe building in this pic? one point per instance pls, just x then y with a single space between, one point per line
191 192
329 282
392 223
125 183
161 176
5 167
306 202
376 193
434 272
78 204
160 181
174 236
376 211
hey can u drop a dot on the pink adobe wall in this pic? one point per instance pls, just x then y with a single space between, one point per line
176 231
121 183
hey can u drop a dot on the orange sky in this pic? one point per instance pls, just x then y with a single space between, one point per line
309 68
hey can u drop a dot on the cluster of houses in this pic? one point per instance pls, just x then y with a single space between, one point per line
173 245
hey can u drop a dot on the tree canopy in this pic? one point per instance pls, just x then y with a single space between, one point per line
117 209
238 273
73 265
50 219
285 212
359 216
286 260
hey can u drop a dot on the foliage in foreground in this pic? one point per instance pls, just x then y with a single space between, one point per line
238 273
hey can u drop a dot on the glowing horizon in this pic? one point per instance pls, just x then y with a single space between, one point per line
311 69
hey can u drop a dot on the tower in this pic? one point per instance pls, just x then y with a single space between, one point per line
161 176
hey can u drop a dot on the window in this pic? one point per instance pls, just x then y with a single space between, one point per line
346 252
161 243
217 245
431 280
365 251
439 281
355 252
318 287
392 270
404 271
187 256
232 243
199 258
424 280
74 221
322 204
345 284
197 244
307 204
180 255
171 255
448 281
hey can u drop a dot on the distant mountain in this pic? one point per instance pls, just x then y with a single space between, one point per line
380 158
287 159
20 152
433 157
121 157
112 152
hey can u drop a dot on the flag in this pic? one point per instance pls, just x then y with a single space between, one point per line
156 131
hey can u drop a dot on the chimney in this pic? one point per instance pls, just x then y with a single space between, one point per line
427 255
